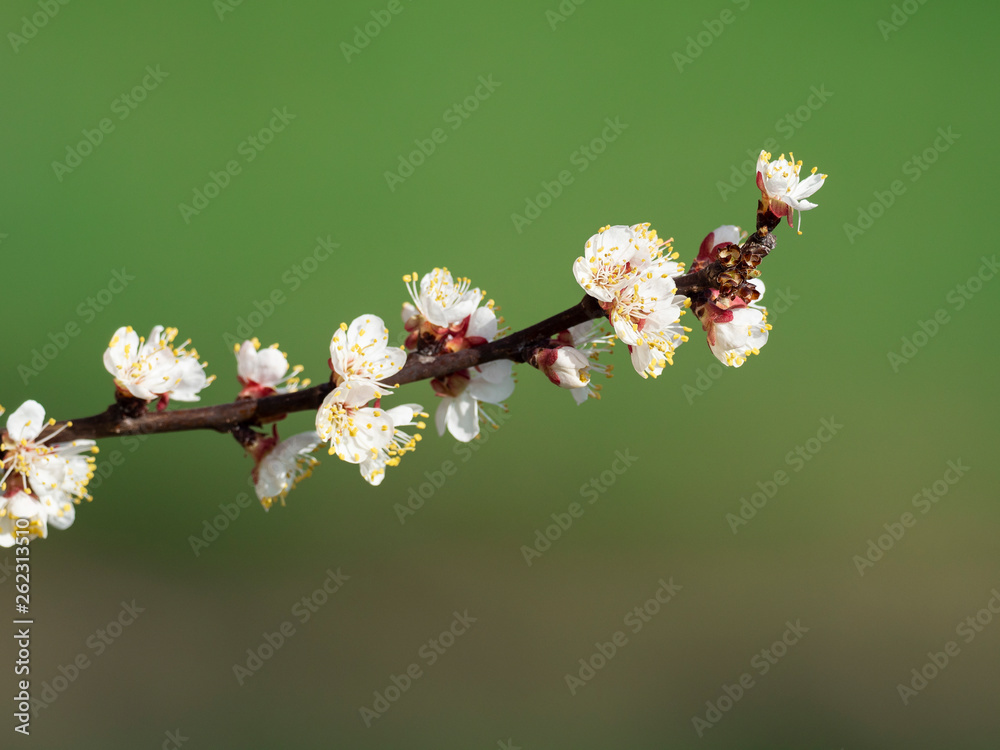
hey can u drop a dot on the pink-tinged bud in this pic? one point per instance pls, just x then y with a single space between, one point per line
565 366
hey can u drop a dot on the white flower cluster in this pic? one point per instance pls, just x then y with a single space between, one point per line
626 271
360 433
446 316
42 481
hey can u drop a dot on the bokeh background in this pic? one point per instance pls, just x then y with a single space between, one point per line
859 89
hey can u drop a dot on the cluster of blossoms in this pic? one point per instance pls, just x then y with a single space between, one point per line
42 481
632 274
446 316
351 418
626 270
632 279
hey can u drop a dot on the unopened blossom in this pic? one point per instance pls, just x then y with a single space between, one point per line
441 300
282 464
264 372
780 188
360 353
155 369
56 474
564 366
591 340
737 332
29 509
373 467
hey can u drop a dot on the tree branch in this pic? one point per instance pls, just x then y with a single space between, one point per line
124 418
130 416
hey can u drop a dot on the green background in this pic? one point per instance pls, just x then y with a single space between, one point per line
689 125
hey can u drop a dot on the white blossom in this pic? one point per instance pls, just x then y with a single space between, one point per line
55 474
154 368
264 372
441 300
360 353
283 465
781 189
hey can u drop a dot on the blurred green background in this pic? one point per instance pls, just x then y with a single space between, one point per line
858 89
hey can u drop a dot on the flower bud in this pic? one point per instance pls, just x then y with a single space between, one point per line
565 366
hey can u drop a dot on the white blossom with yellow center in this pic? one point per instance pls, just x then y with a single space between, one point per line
266 369
373 468
782 191
442 300
55 474
355 432
360 353
154 368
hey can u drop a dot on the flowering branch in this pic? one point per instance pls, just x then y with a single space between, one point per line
632 280
129 416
